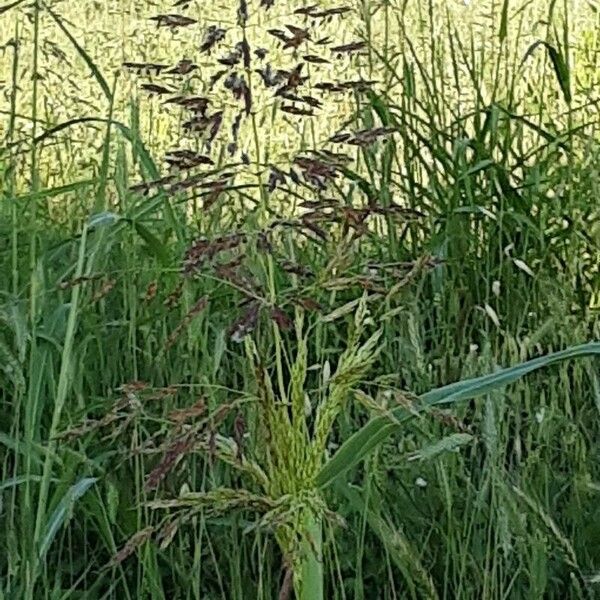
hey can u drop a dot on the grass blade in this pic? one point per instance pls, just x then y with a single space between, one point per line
504 21
62 512
152 243
86 57
403 554
379 428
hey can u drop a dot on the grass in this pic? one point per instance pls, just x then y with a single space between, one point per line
237 391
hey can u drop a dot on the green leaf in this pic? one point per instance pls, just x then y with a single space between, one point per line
504 21
112 501
86 57
482 165
402 553
561 69
129 134
56 191
341 311
379 428
381 108
562 72
20 446
153 244
547 135
63 510
364 186
446 444
7 7
15 481
102 219
140 149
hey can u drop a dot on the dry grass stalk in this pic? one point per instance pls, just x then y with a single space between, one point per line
134 542
182 415
173 455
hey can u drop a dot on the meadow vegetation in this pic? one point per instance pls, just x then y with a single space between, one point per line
299 300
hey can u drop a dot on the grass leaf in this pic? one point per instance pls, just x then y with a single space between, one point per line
379 428
449 443
152 243
504 21
86 57
62 512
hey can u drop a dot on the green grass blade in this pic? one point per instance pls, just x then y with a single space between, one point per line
470 388
56 191
154 246
15 481
402 553
561 71
86 57
449 443
504 21
62 512
379 428
40 529
7 7
559 64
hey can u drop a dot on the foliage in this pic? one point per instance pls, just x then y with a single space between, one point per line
224 307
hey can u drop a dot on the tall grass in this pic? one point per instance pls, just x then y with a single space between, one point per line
193 385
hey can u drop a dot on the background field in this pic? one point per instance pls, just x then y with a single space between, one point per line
467 233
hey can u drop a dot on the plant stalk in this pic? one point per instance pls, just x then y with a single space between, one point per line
309 584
